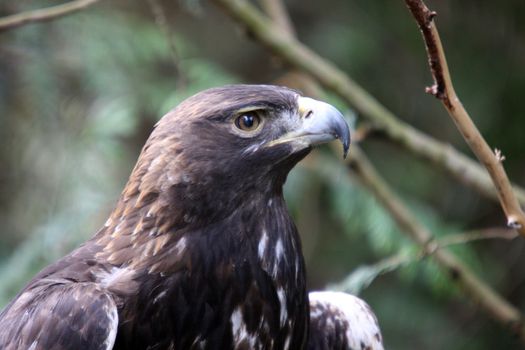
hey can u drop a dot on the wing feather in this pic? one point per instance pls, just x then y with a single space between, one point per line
59 315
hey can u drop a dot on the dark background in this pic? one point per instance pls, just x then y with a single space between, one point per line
79 96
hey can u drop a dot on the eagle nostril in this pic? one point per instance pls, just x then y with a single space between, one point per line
308 114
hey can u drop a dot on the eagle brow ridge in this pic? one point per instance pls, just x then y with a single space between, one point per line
236 110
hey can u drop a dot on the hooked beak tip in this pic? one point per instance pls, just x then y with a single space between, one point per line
324 119
346 146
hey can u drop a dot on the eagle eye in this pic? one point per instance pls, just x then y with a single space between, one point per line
248 121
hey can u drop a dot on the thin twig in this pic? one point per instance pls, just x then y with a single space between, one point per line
363 276
301 57
443 89
162 22
42 15
477 235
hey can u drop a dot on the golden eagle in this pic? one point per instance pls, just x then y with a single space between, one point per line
200 251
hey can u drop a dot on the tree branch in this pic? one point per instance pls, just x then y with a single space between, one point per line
482 293
301 57
443 89
42 15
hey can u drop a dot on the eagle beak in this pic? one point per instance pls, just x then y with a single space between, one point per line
320 123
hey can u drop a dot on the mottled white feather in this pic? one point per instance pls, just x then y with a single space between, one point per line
352 313
113 326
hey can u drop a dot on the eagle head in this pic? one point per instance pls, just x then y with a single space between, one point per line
224 145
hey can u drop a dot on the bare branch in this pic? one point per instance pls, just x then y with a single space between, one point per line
443 89
42 15
301 57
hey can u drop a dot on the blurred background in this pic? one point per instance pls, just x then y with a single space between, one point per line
79 96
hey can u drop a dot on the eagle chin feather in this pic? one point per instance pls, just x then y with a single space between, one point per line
200 251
